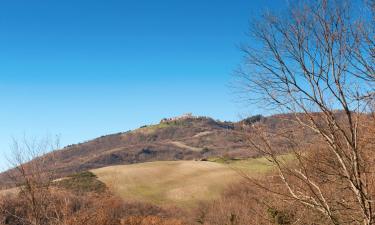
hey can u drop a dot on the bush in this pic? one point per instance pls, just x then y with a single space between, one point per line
82 182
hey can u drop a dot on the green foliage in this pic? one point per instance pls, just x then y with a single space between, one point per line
147 129
224 159
82 182
83 175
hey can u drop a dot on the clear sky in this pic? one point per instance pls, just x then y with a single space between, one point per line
86 68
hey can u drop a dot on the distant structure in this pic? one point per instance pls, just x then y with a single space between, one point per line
183 116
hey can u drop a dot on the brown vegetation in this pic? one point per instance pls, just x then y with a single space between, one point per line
66 208
317 64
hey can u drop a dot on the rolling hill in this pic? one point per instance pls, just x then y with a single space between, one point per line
185 138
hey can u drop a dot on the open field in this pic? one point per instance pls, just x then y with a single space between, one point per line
181 183
168 182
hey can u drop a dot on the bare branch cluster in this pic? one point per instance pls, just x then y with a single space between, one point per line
318 63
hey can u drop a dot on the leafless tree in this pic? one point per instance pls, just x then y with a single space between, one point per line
31 176
316 62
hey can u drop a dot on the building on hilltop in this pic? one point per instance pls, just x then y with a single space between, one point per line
183 116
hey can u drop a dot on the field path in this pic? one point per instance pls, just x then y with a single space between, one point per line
183 145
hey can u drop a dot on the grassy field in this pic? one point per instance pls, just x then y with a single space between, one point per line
251 166
181 183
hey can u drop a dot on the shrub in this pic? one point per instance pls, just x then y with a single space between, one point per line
82 182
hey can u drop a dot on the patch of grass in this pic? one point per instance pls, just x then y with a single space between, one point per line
251 166
149 129
81 183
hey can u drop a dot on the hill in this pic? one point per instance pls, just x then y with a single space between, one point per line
182 138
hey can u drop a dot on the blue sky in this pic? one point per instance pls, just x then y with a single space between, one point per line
84 68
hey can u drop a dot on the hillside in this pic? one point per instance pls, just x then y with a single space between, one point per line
186 138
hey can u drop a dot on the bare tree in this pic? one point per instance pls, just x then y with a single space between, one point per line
316 62
32 177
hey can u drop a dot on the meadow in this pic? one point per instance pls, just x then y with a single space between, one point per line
178 183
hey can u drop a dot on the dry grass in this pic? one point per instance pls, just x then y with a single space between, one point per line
252 166
11 191
183 145
201 134
177 183
181 183
151 128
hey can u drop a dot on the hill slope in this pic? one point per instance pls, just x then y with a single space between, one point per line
188 138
